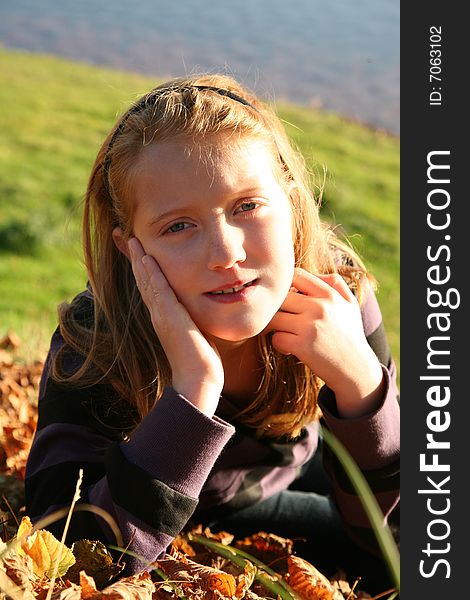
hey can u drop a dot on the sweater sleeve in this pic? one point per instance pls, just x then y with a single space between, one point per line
149 484
373 440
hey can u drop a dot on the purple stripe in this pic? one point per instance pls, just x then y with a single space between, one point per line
221 487
177 444
373 440
371 315
62 442
277 480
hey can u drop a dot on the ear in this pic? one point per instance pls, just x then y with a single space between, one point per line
120 242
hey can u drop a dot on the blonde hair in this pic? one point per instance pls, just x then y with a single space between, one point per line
118 343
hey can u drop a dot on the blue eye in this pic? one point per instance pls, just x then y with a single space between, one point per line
178 227
247 206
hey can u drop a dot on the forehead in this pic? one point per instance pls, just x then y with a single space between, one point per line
219 160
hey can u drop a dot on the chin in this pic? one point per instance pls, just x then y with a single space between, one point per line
231 335
239 332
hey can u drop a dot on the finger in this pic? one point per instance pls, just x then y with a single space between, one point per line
339 284
153 286
287 323
285 343
159 294
293 303
137 253
320 285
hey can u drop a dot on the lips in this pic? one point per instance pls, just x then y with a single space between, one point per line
233 289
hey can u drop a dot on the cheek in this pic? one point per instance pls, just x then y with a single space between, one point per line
175 268
279 243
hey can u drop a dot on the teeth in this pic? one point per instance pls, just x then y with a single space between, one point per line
232 290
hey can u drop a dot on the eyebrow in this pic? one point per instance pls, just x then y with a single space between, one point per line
157 218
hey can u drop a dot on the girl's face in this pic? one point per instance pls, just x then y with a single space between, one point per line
221 232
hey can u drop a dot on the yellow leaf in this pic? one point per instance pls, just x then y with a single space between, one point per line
55 548
43 548
24 529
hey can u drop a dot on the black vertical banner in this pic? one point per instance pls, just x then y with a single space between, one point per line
435 267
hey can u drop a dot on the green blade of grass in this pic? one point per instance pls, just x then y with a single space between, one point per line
372 509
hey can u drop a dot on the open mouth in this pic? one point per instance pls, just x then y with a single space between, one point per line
233 290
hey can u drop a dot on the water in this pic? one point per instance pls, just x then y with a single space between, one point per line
342 55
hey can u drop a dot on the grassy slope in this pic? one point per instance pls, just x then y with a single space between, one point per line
53 117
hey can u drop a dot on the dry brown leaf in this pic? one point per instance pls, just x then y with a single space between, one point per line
212 582
307 581
135 587
5 357
88 587
70 592
269 548
252 596
18 412
17 568
223 537
10 341
181 544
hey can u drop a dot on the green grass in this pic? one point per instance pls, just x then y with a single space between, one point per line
54 115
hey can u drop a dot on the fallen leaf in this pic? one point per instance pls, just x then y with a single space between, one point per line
307 581
18 412
18 568
136 587
10 341
94 558
43 548
269 548
209 580
88 587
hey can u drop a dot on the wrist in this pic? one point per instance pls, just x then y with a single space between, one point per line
203 394
361 395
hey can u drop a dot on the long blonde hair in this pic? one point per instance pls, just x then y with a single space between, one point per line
119 344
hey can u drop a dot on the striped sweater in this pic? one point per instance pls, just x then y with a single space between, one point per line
179 463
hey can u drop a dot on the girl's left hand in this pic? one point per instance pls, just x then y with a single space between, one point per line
322 327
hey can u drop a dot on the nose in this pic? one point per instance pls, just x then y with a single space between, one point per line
225 247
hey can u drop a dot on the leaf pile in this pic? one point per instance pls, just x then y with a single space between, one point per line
18 407
27 562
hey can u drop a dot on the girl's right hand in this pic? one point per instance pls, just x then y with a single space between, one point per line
197 371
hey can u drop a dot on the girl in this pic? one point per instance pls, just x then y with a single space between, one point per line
220 320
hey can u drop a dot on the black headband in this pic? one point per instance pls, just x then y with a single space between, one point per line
141 105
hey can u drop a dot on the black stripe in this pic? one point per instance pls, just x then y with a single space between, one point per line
83 525
56 484
150 500
276 453
379 344
97 407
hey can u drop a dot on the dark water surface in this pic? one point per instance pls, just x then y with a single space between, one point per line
342 55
